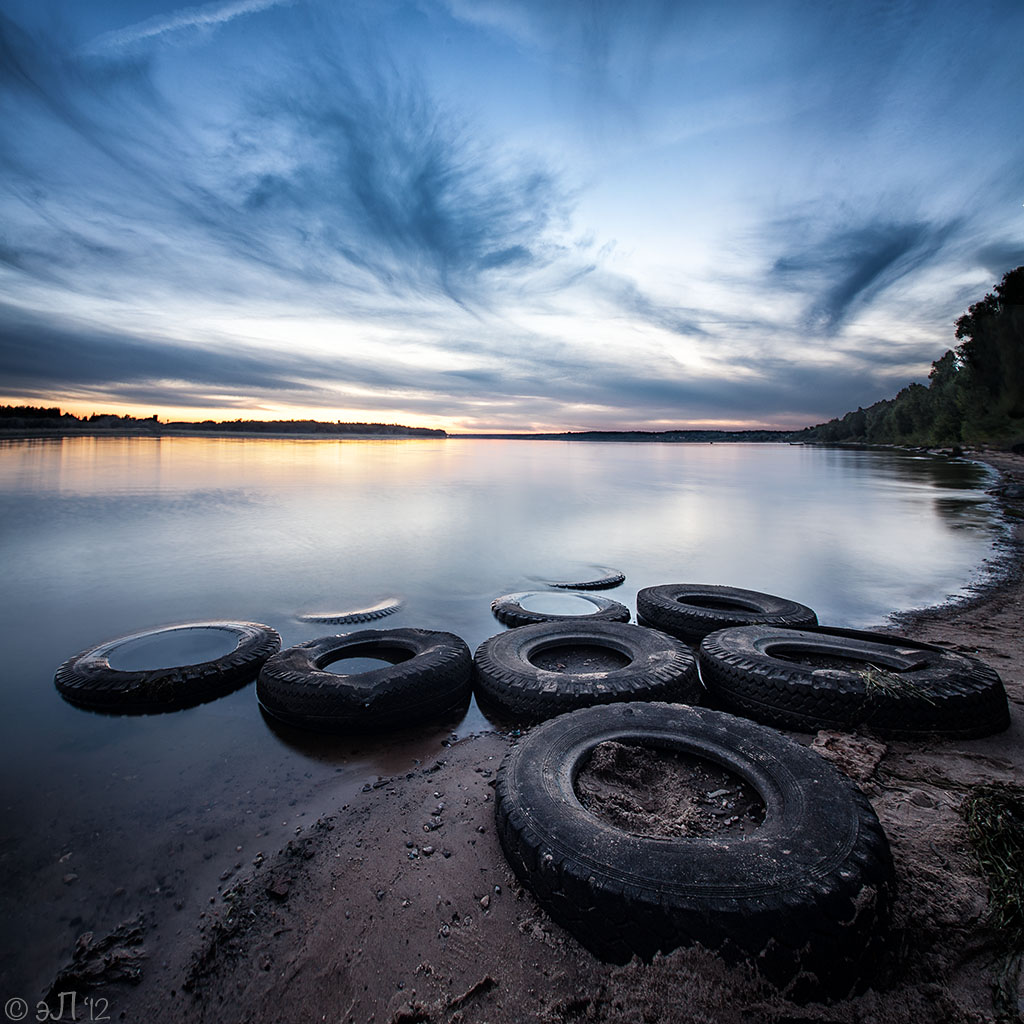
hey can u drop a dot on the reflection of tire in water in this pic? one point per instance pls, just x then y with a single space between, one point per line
830 678
691 610
427 675
88 680
375 611
803 896
536 671
510 608
600 578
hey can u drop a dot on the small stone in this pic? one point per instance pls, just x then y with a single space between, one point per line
70 877
380 895
427 851
278 889
485 902
481 829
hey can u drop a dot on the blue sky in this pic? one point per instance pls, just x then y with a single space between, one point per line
500 214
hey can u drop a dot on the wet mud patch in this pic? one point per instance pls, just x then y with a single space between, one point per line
650 792
579 659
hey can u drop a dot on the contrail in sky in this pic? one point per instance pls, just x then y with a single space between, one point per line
207 16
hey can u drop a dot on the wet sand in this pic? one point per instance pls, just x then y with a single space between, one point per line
397 906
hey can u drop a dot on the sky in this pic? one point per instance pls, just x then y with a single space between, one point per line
500 215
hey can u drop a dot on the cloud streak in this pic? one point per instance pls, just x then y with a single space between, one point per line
849 267
206 17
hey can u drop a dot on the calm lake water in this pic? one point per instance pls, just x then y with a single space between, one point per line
105 816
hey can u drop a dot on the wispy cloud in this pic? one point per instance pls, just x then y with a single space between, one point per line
188 19
337 170
850 266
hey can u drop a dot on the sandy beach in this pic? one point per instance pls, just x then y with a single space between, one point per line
398 906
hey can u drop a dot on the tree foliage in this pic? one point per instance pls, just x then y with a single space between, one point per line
975 391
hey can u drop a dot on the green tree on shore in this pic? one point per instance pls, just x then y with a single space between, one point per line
975 391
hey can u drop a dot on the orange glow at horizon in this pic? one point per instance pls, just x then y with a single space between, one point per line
453 424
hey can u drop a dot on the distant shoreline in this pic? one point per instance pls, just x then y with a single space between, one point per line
405 433
255 435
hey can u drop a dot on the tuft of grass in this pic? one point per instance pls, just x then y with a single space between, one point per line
994 813
880 682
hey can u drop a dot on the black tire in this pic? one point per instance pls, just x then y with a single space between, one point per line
429 676
691 610
376 611
652 666
88 681
847 679
602 578
804 897
509 609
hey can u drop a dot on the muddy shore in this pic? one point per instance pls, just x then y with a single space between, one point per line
397 906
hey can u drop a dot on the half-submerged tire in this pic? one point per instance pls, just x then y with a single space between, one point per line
601 578
509 609
691 610
88 681
847 679
429 676
368 614
804 897
535 672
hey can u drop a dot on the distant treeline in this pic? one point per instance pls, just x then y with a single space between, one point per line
27 417
976 390
691 436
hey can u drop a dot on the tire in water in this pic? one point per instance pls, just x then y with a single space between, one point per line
691 610
846 679
88 680
429 676
509 609
537 671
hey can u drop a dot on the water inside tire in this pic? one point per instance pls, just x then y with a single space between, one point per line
647 791
579 658
366 658
557 604
172 647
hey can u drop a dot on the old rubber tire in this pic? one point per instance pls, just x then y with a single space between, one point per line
88 681
691 610
603 578
657 667
847 679
804 897
509 609
429 676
